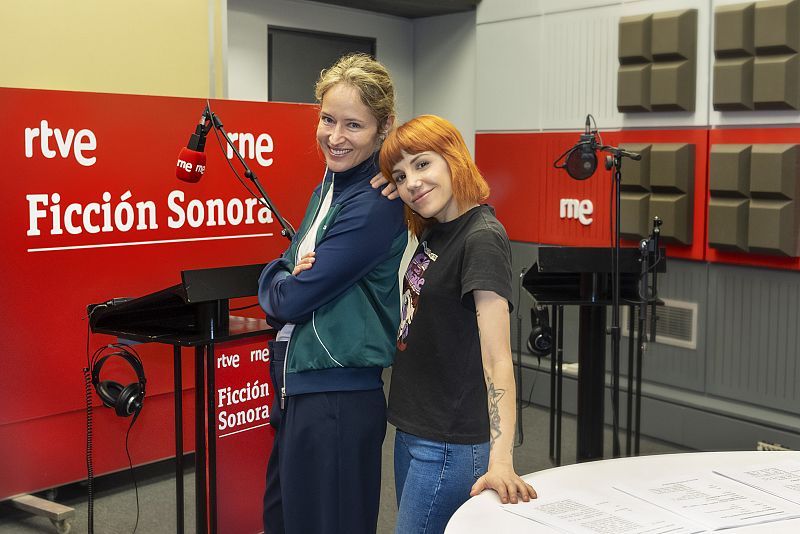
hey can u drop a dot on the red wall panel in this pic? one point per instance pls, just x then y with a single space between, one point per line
527 188
508 162
50 278
698 138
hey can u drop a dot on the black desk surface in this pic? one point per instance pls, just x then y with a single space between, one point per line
238 328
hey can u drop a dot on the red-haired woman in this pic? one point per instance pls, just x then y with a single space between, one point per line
452 392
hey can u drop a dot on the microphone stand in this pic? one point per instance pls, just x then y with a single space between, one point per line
614 161
654 245
648 248
287 230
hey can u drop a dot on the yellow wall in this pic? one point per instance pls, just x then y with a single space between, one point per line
155 47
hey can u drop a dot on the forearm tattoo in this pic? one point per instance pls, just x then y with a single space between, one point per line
494 396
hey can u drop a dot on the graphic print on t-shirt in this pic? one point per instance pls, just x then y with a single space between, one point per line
412 286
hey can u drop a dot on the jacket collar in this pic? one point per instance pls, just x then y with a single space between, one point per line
363 171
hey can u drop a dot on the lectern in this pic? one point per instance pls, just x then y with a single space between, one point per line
581 276
194 313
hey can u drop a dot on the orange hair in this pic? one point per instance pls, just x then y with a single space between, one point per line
435 134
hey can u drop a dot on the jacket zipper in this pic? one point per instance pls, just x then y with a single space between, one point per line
285 365
288 343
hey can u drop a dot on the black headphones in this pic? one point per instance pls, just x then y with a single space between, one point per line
540 341
126 400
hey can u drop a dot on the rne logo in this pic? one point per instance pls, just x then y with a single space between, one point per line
252 147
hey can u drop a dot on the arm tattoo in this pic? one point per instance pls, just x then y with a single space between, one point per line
494 396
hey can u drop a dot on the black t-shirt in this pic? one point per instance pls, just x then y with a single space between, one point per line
438 390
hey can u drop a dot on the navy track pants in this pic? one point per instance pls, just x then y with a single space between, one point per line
324 473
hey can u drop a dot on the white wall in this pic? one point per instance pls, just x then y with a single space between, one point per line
432 60
149 47
247 42
444 70
546 64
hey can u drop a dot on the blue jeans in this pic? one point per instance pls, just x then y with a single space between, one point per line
432 479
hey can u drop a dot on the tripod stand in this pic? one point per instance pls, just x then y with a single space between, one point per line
650 256
614 162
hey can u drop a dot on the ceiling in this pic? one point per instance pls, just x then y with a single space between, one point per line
411 9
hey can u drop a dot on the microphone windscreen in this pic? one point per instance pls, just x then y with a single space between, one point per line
581 162
191 165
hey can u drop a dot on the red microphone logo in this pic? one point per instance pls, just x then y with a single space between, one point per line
192 160
191 165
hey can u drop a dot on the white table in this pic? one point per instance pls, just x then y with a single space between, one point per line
482 514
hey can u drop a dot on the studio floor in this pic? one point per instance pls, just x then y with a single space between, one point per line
115 499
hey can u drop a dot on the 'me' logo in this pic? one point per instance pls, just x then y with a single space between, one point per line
572 208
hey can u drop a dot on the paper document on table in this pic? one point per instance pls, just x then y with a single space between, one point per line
601 513
778 478
713 501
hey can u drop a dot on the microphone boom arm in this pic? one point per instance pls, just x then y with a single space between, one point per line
620 152
287 230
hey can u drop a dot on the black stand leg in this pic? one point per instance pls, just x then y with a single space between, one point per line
178 392
553 382
638 394
200 440
212 442
629 396
520 430
556 382
591 382
559 324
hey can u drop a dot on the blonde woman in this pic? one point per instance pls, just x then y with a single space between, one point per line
337 320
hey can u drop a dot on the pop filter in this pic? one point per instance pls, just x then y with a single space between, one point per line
581 161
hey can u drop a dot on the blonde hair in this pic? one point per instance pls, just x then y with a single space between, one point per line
435 134
369 77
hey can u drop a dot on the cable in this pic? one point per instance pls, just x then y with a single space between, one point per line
133 473
87 378
520 430
89 457
235 172
91 362
615 289
596 131
529 402
287 230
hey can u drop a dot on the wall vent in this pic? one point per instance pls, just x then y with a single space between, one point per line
676 323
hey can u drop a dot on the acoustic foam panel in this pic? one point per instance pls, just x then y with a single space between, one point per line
660 184
728 207
753 205
756 56
657 62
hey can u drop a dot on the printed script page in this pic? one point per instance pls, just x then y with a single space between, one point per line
607 512
713 501
780 479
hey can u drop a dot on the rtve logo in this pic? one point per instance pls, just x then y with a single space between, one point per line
77 143
572 208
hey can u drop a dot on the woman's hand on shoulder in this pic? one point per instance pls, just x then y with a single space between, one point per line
305 263
508 485
390 191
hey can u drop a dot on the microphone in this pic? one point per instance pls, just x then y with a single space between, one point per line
581 160
192 158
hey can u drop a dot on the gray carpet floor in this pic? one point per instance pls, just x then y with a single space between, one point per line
115 499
